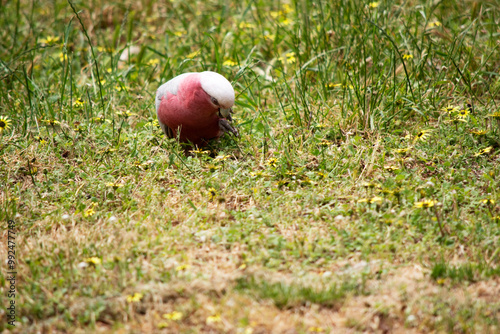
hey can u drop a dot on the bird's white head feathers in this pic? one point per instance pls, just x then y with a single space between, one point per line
212 83
218 87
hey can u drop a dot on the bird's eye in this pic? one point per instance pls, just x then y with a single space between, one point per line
214 101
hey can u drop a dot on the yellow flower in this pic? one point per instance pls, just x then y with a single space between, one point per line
478 132
495 115
108 150
422 135
244 25
162 324
450 109
370 185
182 267
4 123
316 329
212 193
222 157
212 168
154 123
289 58
325 142
271 162
213 319
135 298
269 37
94 260
463 113
402 151
488 201
374 4
199 151
175 316
89 212
434 24
484 151
49 40
98 119
114 185
179 33
124 114
406 57
78 103
63 56
193 54
391 168
230 63
275 14
332 85
286 21
426 204
321 175
153 62
51 122
371 200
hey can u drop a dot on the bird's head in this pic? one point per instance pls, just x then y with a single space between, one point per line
220 91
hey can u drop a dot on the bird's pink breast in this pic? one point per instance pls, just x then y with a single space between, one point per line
190 111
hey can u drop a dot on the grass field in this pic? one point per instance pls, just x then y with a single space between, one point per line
361 196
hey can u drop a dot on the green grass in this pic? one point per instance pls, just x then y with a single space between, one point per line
348 167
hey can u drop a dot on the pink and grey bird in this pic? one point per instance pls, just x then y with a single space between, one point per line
196 107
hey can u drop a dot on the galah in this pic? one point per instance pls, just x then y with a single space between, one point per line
195 107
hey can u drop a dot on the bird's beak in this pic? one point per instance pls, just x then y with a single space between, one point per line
226 113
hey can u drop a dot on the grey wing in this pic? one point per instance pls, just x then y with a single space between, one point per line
171 87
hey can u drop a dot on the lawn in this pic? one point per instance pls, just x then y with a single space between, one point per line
362 195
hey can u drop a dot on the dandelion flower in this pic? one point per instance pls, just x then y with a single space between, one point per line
193 54
369 185
182 267
488 201
222 158
407 56
495 115
371 200
89 212
213 319
212 193
175 316
271 162
390 168
426 204
78 103
230 63
478 132
246 25
51 122
483 151
94 260
4 123
422 135
289 58
135 298
212 168
325 143
153 62
434 24
199 151
450 109
463 113
114 185
49 40
332 85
